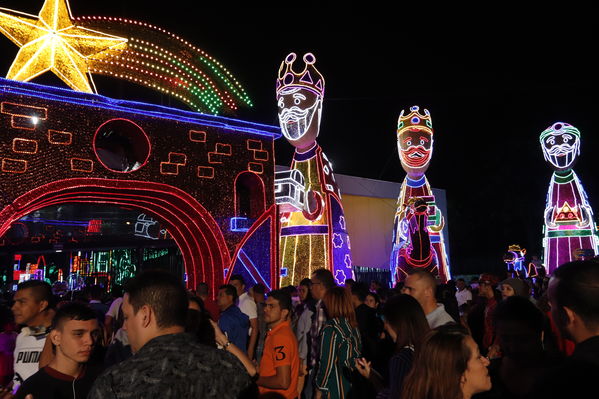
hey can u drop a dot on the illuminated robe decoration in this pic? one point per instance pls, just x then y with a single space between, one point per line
313 232
570 232
417 229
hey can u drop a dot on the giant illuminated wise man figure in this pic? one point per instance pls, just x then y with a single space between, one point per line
570 230
417 230
313 233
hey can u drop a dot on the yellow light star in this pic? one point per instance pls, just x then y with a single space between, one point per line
52 42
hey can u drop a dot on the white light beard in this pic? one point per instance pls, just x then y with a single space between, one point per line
301 118
570 154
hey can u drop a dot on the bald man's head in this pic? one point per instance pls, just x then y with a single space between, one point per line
427 278
422 286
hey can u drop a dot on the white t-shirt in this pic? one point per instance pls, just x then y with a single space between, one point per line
28 349
463 296
248 306
113 311
439 317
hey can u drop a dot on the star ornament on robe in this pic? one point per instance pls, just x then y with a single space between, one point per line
52 42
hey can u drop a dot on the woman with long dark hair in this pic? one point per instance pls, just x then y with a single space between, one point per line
339 346
448 366
406 324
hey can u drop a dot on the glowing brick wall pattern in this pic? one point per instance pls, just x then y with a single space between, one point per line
186 177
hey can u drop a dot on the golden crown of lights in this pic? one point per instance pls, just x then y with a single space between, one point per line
516 248
415 120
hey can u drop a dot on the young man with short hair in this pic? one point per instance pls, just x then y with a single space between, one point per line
32 308
75 330
232 320
249 308
574 297
167 362
279 368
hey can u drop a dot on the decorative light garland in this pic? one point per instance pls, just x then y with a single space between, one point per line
213 92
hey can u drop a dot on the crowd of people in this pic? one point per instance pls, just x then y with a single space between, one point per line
484 338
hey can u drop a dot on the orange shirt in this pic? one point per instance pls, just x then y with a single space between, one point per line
280 349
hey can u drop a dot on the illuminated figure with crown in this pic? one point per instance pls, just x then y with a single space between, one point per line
570 231
313 232
515 260
417 229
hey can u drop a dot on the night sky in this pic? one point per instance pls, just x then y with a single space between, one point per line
492 83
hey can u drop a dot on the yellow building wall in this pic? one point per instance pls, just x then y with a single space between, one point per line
369 223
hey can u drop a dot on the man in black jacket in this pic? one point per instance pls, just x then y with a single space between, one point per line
574 298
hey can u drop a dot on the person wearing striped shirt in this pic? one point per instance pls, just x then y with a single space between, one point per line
340 346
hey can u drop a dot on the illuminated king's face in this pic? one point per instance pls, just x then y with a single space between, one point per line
561 146
299 115
415 150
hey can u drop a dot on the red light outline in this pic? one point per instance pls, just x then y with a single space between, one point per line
91 169
250 144
26 106
253 165
22 140
205 168
52 132
203 132
19 161
171 163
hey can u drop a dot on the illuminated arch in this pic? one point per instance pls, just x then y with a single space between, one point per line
195 231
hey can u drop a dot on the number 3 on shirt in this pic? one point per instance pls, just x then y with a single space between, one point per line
279 355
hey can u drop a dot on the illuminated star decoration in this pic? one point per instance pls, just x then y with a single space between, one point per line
150 56
340 277
347 261
337 240
51 42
